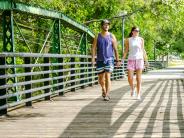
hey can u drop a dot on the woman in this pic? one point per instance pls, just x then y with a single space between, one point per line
134 46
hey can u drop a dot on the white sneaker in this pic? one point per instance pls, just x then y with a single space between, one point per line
138 97
107 98
133 93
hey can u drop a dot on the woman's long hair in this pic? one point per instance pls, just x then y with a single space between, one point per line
133 28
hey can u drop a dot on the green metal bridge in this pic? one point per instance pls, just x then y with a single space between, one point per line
44 53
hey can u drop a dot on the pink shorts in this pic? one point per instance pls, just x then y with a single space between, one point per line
135 64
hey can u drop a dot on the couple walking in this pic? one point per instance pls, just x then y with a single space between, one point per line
105 47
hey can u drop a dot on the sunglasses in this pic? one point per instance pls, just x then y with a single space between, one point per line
136 30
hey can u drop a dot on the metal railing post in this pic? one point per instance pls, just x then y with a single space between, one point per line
90 75
72 73
60 67
46 83
27 60
82 70
3 92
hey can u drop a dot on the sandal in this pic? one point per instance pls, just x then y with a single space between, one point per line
108 96
103 94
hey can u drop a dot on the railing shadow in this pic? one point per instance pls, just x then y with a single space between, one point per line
180 89
96 122
152 119
137 121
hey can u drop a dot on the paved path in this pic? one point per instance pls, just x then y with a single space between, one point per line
83 113
169 73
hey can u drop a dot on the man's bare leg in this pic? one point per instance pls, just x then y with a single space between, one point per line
107 82
101 80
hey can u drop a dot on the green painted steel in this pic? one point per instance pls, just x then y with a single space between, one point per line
44 82
8 32
83 44
56 45
86 43
7 5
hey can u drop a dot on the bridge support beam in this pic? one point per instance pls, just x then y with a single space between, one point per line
83 44
56 46
8 46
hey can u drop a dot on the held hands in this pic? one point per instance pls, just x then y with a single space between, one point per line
122 60
93 61
118 63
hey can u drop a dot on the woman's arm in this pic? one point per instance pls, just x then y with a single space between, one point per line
126 49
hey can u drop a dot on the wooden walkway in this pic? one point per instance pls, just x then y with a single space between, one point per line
83 114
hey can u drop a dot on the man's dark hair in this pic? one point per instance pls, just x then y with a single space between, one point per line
105 21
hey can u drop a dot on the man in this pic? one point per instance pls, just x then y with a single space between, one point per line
106 45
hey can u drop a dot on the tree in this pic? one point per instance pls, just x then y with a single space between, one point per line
160 22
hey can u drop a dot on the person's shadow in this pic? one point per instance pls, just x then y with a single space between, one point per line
95 119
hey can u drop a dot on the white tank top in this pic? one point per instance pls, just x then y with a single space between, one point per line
135 48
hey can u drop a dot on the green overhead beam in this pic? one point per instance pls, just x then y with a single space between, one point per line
7 5
36 10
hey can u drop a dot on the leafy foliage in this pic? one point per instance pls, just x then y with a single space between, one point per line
160 21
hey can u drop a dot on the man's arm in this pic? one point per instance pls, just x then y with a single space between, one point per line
93 52
114 43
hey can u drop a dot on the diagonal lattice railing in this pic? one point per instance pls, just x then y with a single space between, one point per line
50 80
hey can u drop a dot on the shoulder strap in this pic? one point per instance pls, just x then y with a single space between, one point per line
98 35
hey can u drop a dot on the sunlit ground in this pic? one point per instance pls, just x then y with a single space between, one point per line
176 62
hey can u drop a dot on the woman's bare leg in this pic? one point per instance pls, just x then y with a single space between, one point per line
130 80
139 80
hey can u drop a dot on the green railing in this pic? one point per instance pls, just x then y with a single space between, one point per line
46 78
28 29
